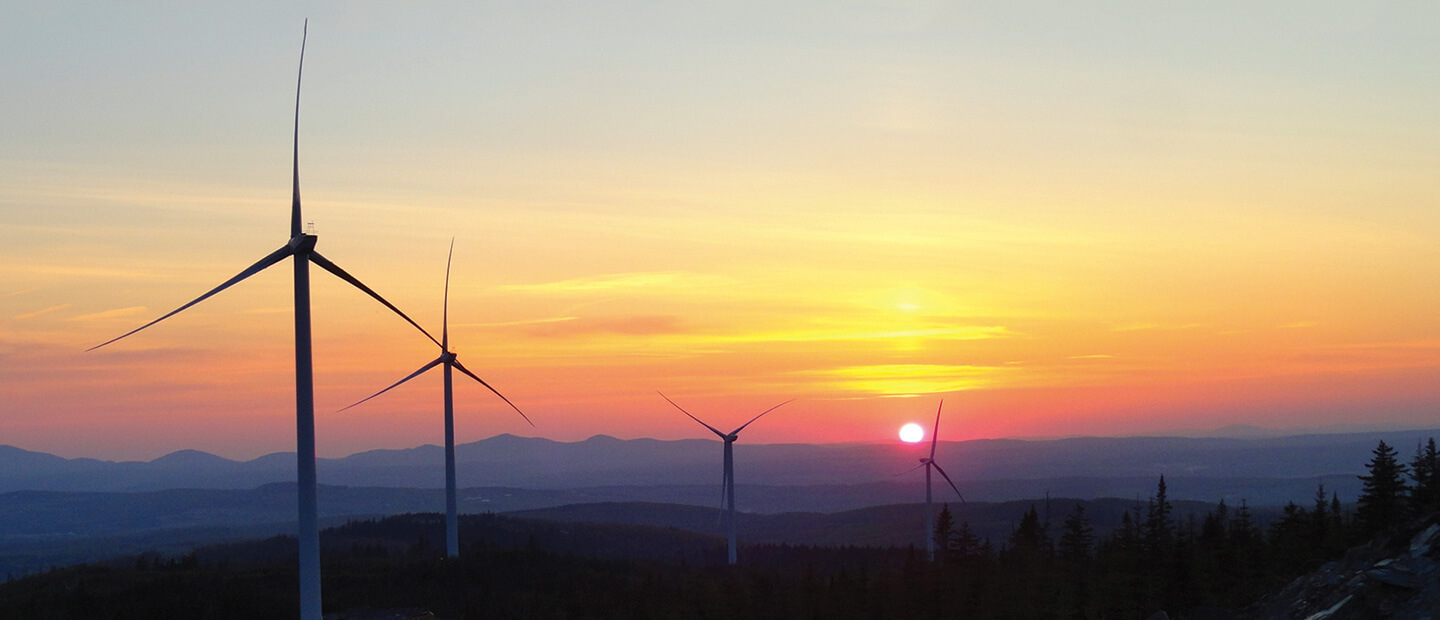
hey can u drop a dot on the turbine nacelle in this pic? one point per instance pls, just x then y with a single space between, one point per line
448 357
302 244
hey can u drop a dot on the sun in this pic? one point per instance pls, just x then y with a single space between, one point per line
912 433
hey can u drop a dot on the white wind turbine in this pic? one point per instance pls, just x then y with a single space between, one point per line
929 463
727 497
450 361
302 247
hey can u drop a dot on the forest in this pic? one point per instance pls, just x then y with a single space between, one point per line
1210 566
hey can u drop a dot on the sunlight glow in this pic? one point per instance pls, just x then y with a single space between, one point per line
912 433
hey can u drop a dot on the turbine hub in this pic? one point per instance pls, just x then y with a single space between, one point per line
448 356
927 460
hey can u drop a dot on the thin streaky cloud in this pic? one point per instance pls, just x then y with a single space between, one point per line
1131 327
613 281
93 272
558 319
17 293
31 315
110 314
1096 356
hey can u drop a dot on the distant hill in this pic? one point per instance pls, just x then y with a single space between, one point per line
875 526
1064 466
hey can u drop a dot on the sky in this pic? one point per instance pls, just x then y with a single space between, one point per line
1062 218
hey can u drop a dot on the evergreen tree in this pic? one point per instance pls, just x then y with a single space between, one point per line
944 531
1320 517
1383 502
1291 541
1159 525
1077 537
965 543
1425 472
1030 538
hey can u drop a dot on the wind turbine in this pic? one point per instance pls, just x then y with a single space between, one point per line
450 361
929 463
727 493
301 246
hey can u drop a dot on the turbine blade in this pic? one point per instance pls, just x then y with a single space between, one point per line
445 314
270 259
935 436
459 367
742 426
947 479
909 470
325 264
397 383
692 417
299 73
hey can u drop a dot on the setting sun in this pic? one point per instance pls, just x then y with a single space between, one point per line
912 433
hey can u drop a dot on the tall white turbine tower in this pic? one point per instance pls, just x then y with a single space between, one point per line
302 247
728 484
449 360
929 463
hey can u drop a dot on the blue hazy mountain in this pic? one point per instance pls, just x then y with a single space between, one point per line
1246 466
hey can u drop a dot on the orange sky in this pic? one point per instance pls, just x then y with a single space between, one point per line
1107 223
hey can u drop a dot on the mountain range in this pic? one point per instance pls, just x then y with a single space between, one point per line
1261 469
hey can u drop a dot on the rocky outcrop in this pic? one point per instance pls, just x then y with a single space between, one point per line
1395 576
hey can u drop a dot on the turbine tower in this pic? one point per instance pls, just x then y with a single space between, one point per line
929 463
727 485
450 361
301 246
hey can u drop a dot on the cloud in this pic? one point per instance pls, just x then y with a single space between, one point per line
628 325
31 315
904 379
556 319
615 281
1096 356
1131 327
110 314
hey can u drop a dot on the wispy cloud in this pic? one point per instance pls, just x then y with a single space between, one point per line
16 293
556 319
966 332
627 325
110 314
1131 327
903 379
616 281
31 315
91 272
1096 356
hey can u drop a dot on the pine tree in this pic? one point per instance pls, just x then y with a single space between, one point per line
1077 537
944 531
1383 502
1030 538
1425 472
1159 526
965 543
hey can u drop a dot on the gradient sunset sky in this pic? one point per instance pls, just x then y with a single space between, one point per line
1064 218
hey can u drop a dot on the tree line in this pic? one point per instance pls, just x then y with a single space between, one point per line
1154 561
